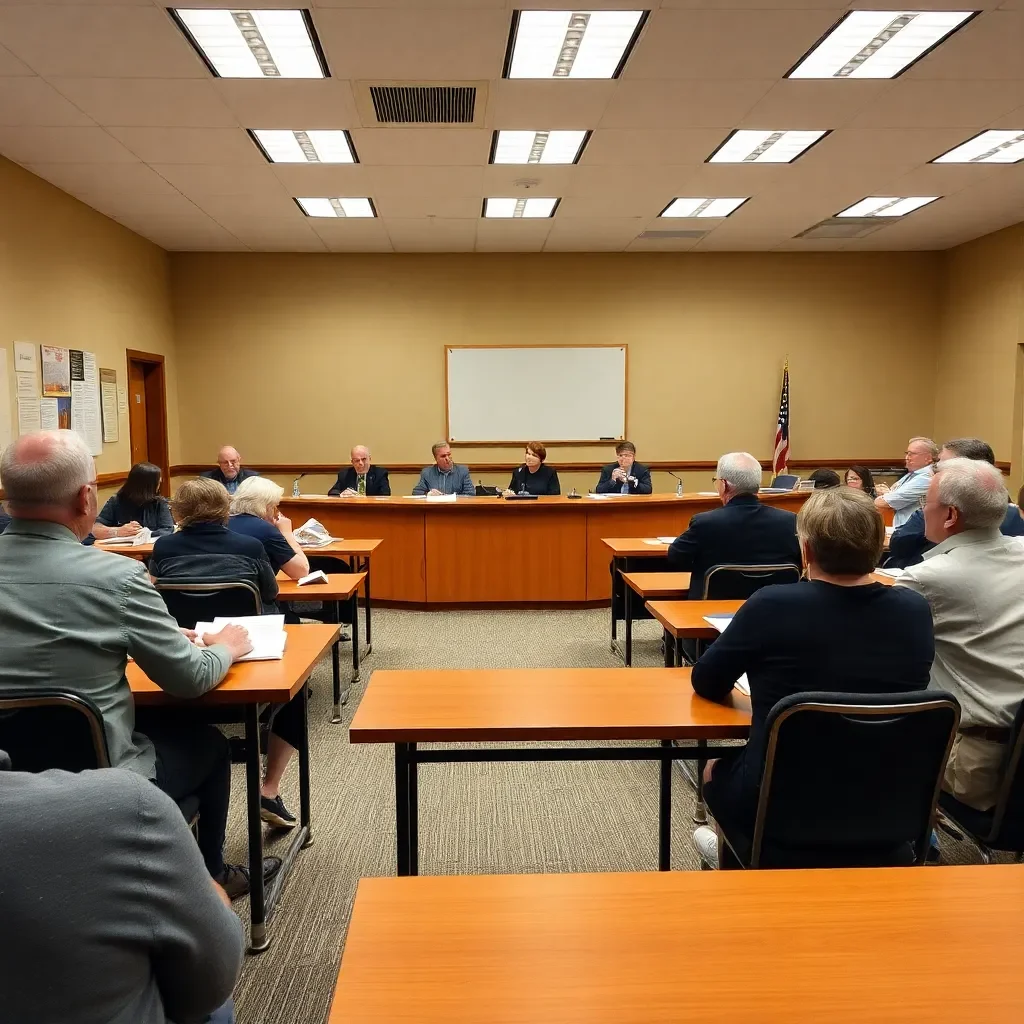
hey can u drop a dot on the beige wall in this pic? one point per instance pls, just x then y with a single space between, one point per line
71 277
297 356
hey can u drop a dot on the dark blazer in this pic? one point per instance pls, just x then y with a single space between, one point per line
377 483
606 485
908 544
216 474
744 532
544 481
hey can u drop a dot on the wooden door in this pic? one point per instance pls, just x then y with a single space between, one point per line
147 412
137 419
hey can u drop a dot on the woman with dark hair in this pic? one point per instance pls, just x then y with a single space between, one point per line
533 477
824 478
136 505
860 478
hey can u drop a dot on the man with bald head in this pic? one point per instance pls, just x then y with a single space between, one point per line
229 471
361 478
70 617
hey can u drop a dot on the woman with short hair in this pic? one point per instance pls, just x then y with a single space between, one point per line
533 476
137 505
255 513
838 630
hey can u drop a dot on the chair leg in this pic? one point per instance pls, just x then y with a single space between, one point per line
1019 859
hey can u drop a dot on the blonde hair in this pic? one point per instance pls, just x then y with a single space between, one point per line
842 530
200 501
256 496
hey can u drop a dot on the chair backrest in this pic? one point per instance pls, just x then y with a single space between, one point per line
192 601
1008 814
738 582
785 480
852 779
43 729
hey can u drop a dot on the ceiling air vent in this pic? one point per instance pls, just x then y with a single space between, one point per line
845 227
659 236
421 103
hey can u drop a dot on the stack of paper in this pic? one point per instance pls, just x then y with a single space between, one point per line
441 497
721 623
266 632
313 534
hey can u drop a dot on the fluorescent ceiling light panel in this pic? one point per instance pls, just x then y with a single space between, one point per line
991 147
254 44
887 206
571 44
878 44
337 207
702 207
516 208
755 147
299 147
554 147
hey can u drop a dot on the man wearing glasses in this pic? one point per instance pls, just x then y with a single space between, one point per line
625 475
906 496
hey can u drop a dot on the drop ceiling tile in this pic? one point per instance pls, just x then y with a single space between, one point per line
28 100
148 102
527 104
222 179
413 44
418 4
990 47
98 42
110 180
643 182
662 244
341 234
592 235
802 105
208 238
888 150
405 146
190 145
242 213
268 239
442 182
11 66
613 205
683 104
916 103
512 236
730 179
324 179
62 145
396 207
431 235
753 5
289 103
650 146
543 179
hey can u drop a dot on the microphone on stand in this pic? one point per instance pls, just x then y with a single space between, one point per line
679 484
295 485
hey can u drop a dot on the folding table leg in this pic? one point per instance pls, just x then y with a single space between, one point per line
259 940
335 618
700 811
665 809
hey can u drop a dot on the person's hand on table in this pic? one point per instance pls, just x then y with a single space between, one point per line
234 638
881 488
188 634
508 493
348 493
128 530
433 491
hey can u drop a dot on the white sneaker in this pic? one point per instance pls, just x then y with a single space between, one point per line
706 840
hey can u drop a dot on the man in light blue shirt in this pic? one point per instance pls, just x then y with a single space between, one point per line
444 477
906 496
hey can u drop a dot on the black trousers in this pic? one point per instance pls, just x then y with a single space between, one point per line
287 722
193 759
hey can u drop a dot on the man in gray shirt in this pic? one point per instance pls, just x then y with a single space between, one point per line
70 616
108 913
444 477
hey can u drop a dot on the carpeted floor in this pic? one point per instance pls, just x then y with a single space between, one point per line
474 818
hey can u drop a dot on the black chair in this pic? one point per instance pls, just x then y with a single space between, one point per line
738 582
192 601
787 480
1002 827
849 780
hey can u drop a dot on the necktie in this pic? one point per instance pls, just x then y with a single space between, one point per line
361 486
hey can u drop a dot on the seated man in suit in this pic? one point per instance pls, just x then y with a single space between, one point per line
744 532
908 544
361 478
625 475
229 471
444 477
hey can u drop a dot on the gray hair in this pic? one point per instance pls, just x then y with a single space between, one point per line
741 471
48 467
255 496
933 448
435 448
975 489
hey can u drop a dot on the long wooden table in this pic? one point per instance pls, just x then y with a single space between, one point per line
489 551
245 689
852 946
407 708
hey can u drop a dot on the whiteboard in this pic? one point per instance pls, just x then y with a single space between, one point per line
565 393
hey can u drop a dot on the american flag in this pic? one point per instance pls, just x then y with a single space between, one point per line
780 458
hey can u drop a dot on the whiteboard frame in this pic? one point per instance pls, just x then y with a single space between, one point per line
448 349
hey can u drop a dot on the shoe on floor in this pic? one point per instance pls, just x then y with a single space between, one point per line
235 879
274 812
706 840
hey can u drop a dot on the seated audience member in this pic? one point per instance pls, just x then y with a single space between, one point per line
789 639
908 544
744 532
361 478
533 476
89 610
444 477
860 478
137 504
229 471
973 580
254 512
825 478
906 496
625 475
107 908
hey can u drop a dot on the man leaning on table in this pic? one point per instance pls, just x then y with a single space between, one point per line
229 471
444 477
973 580
71 615
625 475
906 496
361 478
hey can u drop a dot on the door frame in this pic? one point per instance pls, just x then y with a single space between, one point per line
154 377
